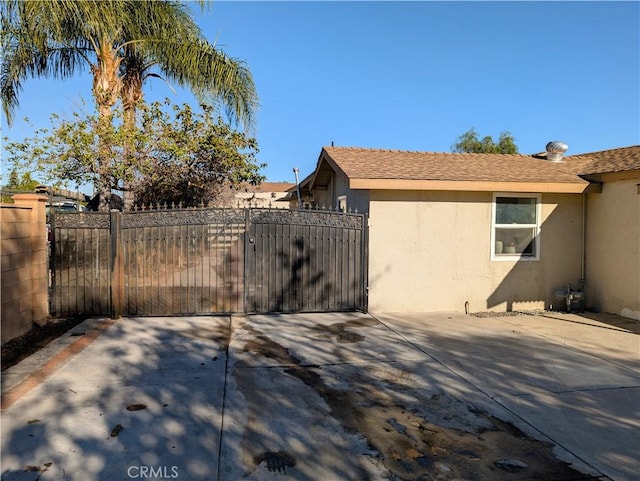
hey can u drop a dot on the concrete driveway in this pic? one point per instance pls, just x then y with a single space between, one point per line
328 397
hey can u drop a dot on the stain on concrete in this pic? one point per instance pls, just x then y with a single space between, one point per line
276 462
343 331
116 430
439 438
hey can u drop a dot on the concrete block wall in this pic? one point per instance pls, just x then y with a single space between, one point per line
24 271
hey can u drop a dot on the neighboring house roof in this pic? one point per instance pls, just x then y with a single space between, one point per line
396 169
292 192
273 187
265 192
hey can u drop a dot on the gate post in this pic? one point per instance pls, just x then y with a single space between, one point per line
245 255
53 308
364 263
117 264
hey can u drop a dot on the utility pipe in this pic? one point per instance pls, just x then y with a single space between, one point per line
295 171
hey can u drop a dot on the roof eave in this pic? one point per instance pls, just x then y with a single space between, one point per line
324 157
631 174
469 185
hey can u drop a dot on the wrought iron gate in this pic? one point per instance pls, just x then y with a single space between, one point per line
80 258
305 261
197 261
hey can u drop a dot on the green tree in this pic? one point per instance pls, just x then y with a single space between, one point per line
19 183
177 155
24 182
470 143
209 72
56 38
195 157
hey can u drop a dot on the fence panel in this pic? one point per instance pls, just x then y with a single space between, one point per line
79 259
203 261
183 262
305 261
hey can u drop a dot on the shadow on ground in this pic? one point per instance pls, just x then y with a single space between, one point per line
354 400
77 425
319 397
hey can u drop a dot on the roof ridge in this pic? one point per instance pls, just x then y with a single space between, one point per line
587 154
405 151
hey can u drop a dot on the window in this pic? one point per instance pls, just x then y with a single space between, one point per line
342 203
515 227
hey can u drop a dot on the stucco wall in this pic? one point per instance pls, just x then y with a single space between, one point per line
430 251
613 249
24 282
261 199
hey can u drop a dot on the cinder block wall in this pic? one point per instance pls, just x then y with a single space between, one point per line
24 281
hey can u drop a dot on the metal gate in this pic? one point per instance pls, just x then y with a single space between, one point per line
305 261
201 261
80 260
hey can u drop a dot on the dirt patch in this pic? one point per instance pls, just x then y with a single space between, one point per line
22 347
413 448
439 438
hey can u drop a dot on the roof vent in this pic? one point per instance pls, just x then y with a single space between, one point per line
555 151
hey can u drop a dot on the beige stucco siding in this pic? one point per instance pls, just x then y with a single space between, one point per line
613 249
430 251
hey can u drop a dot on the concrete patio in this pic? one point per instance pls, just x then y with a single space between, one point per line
333 396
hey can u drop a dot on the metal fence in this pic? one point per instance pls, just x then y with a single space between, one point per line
305 261
80 264
206 260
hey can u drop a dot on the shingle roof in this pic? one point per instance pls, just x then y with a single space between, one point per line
608 161
274 186
405 165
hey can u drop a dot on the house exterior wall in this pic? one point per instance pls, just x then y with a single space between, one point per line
613 249
324 197
430 251
24 282
356 199
339 186
274 200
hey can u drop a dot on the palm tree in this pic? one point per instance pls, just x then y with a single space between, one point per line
55 38
46 39
191 62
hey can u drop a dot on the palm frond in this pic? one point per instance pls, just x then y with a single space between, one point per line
53 37
50 39
208 72
172 40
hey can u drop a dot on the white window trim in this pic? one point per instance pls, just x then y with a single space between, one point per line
536 226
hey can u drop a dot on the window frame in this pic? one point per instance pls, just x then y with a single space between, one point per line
536 227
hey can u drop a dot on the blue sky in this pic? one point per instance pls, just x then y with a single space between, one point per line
414 75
